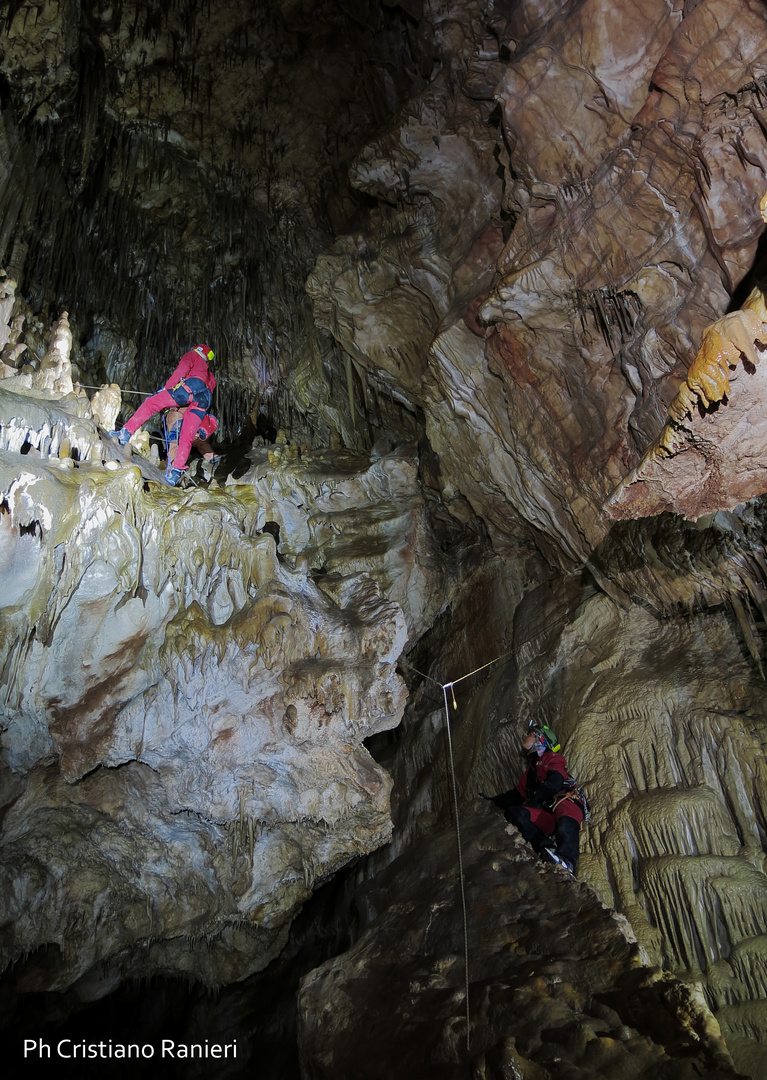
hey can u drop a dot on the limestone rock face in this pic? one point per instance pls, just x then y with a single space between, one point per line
663 724
709 455
556 981
385 293
631 219
185 706
627 234
343 512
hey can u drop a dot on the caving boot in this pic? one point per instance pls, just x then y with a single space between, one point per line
122 436
567 836
548 854
172 476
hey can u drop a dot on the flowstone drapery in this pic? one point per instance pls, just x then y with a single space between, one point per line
184 707
663 725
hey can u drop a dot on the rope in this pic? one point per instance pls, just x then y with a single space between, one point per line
468 675
141 393
421 673
454 786
461 880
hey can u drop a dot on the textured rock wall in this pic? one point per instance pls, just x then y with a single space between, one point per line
632 216
170 172
633 153
663 722
184 708
557 200
563 993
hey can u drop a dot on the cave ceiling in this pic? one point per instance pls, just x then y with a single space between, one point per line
171 171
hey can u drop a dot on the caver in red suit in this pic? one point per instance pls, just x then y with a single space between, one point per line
191 384
544 806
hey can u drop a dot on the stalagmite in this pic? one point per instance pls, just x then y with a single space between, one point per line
105 406
55 373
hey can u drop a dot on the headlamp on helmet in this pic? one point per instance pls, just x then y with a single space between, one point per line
545 739
205 351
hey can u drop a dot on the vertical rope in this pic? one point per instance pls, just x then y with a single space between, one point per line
451 687
445 688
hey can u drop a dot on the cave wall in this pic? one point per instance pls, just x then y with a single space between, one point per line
632 150
156 180
498 230
186 698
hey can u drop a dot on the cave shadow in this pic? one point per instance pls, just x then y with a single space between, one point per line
751 280
640 544
260 1013
708 553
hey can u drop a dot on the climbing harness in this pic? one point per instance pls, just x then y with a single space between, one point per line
454 786
572 793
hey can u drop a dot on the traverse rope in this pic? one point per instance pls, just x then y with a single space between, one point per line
141 393
454 786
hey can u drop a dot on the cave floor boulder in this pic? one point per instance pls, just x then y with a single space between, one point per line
558 985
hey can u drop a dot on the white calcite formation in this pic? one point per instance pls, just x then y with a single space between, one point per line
184 706
339 514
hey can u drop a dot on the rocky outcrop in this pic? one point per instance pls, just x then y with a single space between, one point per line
709 455
631 224
185 702
556 981
663 723
627 234
339 511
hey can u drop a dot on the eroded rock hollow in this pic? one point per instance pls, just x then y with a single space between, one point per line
485 281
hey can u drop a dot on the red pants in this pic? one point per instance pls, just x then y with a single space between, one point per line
546 820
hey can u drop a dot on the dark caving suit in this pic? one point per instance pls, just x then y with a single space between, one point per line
191 384
543 808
